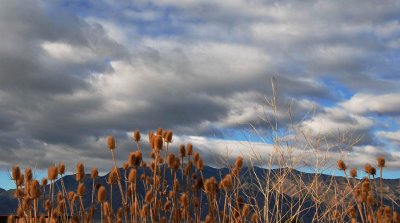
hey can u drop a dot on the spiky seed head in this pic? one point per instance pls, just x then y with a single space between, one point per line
16 172
159 132
196 156
139 157
199 164
44 181
182 150
373 171
125 166
227 182
28 174
208 219
101 194
95 173
80 171
177 164
61 168
168 136
149 196
136 135
113 176
151 136
239 162
368 168
158 142
170 160
111 142
52 172
341 165
34 189
132 175
20 181
153 154
189 149
81 189
353 172
381 162
132 159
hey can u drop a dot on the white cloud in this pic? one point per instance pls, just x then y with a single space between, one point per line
68 53
364 103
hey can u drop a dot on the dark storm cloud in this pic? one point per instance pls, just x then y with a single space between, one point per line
70 74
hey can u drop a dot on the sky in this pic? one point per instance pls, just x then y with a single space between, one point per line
73 72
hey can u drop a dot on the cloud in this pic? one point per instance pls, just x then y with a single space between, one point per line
70 75
384 104
392 137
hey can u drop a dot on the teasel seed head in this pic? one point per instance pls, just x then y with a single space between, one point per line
373 171
189 149
80 171
61 168
101 194
227 182
381 162
196 156
125 166
52 172
28 174
136 135
44 181
81 189
158 143
199 164
368 168
170 160
341 165
34 189
132 159
113 176
168 136
182 151
132 175
111 142
353 172
139 157
20 181
239 162
95 173
159 132
16 172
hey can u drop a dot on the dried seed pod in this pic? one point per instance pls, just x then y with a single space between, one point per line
52 172
34 189
189 149
196 156
80 171
381 162
132 175
341 165
28 174
111 142
182 151
168 136
61 168
132 159
239 162
184 200
353 172
101 194
81 189
136 135
95 173
125 166
44 181
16 172
158 142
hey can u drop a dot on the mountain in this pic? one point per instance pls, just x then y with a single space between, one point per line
251 178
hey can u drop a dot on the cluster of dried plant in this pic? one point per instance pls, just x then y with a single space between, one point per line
176 188
182 200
